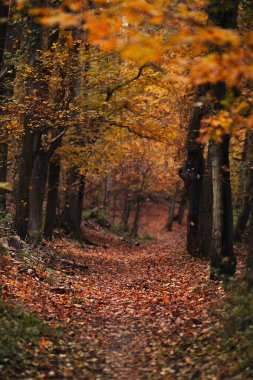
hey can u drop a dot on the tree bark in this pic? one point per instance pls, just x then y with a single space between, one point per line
249 266
247 205
52 196
4 12
135 227
223 260
34 43
126 211
172 203
206 210
37 193
181 209
74 203
192 173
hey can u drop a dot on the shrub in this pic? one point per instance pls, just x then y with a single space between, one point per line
146 237
20 330
100 216
119 229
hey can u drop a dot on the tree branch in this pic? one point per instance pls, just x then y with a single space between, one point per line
110 91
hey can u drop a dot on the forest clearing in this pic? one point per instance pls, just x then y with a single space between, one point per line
126 189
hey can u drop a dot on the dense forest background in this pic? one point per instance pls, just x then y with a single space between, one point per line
110 110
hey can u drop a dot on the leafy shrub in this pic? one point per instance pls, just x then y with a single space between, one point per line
237 335
119 229
5 218
20 330
146 237
100 216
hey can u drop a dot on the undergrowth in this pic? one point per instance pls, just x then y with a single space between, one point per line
237 334
146 237
100 216
20 333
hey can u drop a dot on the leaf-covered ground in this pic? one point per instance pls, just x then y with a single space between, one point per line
138 311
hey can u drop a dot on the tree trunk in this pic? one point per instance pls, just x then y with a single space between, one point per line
247 205
223 260
181 209
74 203
135 227
206 210
192 172
249 267
4 12
34 43
114 206
23 185
126 211
172 203
52 196
37 194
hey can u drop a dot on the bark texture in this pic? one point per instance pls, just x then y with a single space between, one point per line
52 196
4 12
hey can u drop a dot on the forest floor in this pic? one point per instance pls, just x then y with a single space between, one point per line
137 312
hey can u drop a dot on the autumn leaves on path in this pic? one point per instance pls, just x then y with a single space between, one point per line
138 312
148 306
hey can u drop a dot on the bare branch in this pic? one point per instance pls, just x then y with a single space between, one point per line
110 91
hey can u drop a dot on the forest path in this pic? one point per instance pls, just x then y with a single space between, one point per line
138 312
146 308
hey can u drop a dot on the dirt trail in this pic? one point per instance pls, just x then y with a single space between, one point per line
140 312
147 309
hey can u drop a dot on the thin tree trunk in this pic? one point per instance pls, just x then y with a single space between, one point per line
4 12
172 203
114 207
135 227
223 260
247 205
206 210
74 203
52 196
37 195
249 266
181 209
23 185
126 211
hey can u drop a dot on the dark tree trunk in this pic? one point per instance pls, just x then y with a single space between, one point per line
206 210
52 196
106 191
23 185
126 211
249 267
4 12
181 209
74 203
223 260
34 43
3 166
114 206
172 203
37 193
247 205
135 227
192 173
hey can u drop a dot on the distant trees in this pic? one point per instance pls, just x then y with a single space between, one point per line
100 96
